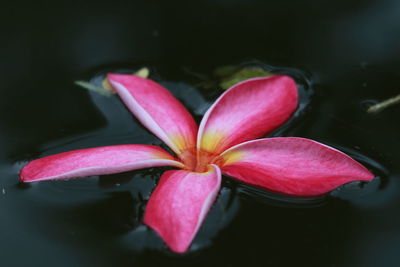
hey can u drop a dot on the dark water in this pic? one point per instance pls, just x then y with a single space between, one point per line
344 55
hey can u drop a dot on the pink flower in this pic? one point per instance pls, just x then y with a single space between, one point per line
248 110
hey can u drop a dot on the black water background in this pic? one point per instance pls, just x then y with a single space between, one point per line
349 48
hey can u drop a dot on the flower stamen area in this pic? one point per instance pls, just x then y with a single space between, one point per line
198 160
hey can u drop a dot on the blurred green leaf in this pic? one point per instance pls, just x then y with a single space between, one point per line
106 89
240 75
94 88
226 70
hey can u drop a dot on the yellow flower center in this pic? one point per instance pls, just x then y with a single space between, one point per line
198 160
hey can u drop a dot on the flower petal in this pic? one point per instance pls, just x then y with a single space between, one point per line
248 110
292 165
96 161
157 109
180 203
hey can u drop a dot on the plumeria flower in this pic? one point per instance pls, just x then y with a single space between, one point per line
223 143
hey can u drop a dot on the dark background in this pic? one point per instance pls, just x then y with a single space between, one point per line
350 49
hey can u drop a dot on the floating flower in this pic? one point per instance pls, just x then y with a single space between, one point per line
222 143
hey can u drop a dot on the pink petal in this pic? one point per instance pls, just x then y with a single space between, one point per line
96 161
248 110
292 165
180 203
157 109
